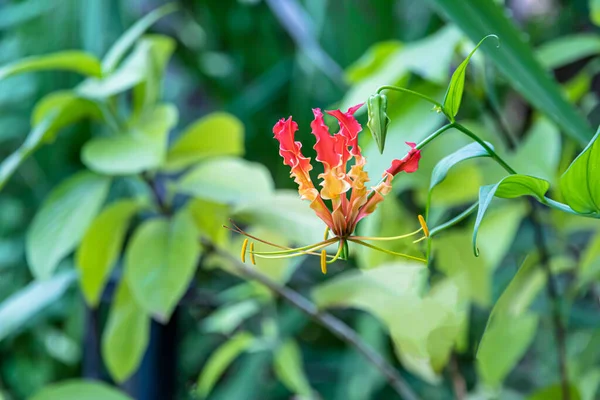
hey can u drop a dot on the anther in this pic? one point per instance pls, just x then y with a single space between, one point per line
326 235
323 261
424 225
243 255
252 259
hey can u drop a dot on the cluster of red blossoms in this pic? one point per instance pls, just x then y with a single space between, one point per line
342 182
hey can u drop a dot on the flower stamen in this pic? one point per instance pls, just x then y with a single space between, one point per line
252 259
423 225
243 254
393 253
324 261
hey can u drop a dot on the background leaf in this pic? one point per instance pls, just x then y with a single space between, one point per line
74 389
160 262
122 46
101 246
220 360
289 369
75 61
23 305
142 147
217 134
227 180
62 220
125 336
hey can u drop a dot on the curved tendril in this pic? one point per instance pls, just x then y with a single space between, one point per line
393 253
407 235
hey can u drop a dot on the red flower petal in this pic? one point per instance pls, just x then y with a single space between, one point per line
327 147
349 127
290 150
408 164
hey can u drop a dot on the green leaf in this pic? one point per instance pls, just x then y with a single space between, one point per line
580 183
22 306
509 187
513 336
595 11
124 43
217 134
429 58
209 218
555 392
52 113
126 335
148 92
424 328
227 318
62 220
160 261
453 96
146 60
468 152
141 148
75 61
516 60
227 180
285 214
474 275
68 107
289 368
567 49
220 360
101 246
511 327
538 154
79 390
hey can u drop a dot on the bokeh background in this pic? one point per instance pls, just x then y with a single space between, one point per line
262 60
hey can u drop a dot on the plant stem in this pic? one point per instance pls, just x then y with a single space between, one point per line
333 324
483 144
552 290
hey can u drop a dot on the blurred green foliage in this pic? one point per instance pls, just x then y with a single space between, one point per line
138 141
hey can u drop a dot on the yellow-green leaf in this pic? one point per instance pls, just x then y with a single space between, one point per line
124 43
228 181
101 246
126 335
220 360
62 220
217 134
160 262
141 148
79 389
289 368
76 61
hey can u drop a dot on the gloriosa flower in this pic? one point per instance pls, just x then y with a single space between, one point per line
344 198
